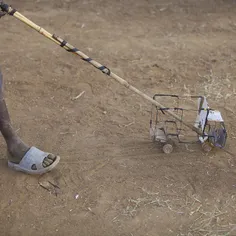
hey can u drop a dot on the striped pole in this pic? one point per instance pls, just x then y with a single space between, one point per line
68 47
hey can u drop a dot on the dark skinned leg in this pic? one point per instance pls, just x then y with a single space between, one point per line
16 147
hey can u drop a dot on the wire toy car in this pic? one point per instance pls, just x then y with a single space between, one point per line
207 125
167 130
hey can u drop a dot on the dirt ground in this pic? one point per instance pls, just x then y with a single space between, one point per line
112 180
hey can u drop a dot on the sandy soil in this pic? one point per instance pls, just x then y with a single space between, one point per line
112 179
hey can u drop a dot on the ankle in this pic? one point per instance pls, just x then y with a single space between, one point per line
8 131
13 141
16 148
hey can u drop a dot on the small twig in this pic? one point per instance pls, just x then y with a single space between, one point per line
129 124
46 186
196 199
91 211
63 133
17 130
75 98
41 185
54 185
115 218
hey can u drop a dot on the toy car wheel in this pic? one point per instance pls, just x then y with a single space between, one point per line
207 147
168 148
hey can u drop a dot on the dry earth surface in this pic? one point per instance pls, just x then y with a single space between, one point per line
112 180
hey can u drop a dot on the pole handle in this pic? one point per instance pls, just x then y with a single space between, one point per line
9 10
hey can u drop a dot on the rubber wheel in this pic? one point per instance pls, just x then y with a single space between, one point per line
207 147
168 148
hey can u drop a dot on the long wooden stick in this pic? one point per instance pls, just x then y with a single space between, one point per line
68 47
